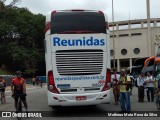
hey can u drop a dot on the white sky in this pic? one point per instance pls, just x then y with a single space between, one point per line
136 9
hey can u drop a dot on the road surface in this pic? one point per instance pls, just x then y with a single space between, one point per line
37 101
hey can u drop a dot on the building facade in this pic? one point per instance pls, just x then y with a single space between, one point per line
129 41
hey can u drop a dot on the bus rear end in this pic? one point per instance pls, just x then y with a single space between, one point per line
78 58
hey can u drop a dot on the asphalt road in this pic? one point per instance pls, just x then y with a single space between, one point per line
37 101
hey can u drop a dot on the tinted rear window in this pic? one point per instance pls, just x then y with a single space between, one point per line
77 21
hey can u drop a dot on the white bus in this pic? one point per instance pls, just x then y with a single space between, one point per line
77 57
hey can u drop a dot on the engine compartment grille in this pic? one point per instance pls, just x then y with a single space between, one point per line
79 62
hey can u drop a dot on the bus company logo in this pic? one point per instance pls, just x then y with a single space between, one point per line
63 86
78 42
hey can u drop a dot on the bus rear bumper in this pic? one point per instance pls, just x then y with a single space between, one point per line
71 99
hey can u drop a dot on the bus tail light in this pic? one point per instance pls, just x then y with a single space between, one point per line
108 80
101 12
51 83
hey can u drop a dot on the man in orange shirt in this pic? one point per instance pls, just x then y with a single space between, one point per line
3 87
18 87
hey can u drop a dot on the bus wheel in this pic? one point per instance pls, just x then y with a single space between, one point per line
56 108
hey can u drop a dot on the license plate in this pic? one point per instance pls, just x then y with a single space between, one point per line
79 98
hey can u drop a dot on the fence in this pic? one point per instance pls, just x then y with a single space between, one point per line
8 79
42 78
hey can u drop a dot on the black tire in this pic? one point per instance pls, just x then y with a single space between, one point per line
19 108
18 118
158 103
2 101
92 106
56 108
2 98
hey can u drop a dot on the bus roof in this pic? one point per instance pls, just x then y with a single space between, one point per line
48 16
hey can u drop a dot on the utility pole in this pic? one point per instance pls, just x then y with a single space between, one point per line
113 36
150 42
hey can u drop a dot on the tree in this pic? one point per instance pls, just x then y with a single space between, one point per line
14 2
21 38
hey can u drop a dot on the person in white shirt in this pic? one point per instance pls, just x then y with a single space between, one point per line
114 80
140 83
150 86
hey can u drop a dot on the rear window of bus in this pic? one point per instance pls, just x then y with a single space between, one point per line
63 22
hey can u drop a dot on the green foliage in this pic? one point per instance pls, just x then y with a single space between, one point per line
30 71
21 38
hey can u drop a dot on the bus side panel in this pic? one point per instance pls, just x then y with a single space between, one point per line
48 57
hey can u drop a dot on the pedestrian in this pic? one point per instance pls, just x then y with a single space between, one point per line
33 80
40 83
140 84
125 83
114 80
132 81
150 87
3 87
37 80
158 81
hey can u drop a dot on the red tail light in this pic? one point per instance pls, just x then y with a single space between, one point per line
51 83
107 25
53 12
108 80
48 26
